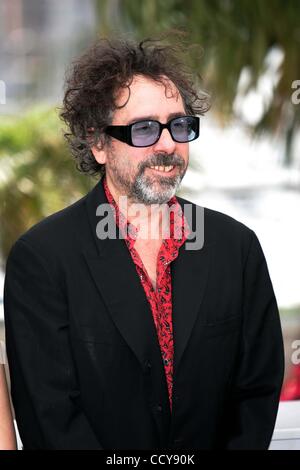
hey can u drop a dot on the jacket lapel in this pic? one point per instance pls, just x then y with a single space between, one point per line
117 280
189 279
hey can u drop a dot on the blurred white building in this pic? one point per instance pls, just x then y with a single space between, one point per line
38 38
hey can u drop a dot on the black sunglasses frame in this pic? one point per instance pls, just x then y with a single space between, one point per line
123 133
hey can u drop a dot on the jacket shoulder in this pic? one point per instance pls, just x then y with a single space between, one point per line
54 229
217 219
220 227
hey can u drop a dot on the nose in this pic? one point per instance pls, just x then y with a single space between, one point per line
165 143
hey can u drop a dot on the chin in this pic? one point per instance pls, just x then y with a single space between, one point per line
148 191
160 197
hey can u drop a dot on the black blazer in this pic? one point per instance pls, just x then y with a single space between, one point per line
85 362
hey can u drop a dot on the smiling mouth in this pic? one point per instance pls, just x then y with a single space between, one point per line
162 169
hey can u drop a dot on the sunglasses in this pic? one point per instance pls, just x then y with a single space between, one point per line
147 133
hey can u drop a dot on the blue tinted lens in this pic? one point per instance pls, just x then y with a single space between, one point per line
184 129
144 133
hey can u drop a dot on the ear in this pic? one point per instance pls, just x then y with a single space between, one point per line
100 155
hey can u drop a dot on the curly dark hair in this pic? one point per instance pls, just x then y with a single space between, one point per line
96 77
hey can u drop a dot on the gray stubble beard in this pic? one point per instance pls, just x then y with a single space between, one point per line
142 191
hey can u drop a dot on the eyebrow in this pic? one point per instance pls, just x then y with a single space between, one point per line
155 117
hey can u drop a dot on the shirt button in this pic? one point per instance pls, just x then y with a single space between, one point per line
177 443
147 367
166 362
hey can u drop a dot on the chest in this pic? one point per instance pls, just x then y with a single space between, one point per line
148 254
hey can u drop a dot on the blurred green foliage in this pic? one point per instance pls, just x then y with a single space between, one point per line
37 173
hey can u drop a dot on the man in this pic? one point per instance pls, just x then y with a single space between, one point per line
119 334
7 431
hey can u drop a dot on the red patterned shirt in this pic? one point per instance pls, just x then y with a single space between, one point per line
160 299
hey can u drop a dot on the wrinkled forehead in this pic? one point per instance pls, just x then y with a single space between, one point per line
146 96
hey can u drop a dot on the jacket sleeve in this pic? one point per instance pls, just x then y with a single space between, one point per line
43 379
256 386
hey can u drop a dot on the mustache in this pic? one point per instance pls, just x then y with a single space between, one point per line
162 159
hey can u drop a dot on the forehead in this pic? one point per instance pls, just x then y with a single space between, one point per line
148 99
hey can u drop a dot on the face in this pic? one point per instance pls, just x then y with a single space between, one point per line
128 169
